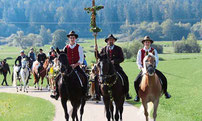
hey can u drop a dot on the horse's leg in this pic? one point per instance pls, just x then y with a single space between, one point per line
75 105
107 102
83 102
111 107
156 103
64 105
121 108
145 109
42 82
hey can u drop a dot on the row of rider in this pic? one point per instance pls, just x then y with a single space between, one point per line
41 57
75 56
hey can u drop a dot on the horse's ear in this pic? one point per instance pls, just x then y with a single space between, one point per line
57 50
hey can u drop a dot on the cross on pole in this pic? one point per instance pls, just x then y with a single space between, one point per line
93 10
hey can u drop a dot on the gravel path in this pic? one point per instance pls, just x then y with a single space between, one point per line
92 111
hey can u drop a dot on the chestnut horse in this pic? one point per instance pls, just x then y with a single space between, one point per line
42 73
150 87
112 89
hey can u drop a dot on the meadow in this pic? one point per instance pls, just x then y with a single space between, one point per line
25 108
183 71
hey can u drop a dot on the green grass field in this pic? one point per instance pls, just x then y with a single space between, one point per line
183 71
15 107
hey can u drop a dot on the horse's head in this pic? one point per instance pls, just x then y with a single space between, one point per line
105 68
63 61
24 63
149 64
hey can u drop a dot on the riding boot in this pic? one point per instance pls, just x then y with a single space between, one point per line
137 98
164 83
128 97
39 70
137 86
18 74
167 95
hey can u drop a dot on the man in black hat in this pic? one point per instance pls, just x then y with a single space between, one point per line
116 56
140 56
75 57
41 58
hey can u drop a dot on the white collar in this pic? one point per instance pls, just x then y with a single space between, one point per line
111 47
147 49
72 46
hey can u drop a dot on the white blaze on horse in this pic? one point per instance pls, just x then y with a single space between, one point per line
24 74
150 87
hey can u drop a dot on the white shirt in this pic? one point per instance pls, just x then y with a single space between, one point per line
81 55
139 54
111 47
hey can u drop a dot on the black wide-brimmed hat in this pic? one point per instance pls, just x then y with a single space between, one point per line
40 49
147 38
72 33
110 36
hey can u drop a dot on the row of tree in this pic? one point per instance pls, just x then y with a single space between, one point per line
166 31
29 15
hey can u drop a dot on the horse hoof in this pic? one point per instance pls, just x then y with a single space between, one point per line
27 91
20 89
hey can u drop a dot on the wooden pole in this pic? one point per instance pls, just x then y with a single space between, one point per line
96 52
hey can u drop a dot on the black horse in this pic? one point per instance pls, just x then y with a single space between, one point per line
4 69
112 88
70 87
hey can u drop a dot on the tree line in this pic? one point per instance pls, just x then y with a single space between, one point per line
28 15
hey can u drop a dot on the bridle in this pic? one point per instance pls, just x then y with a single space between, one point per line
66 73
108 76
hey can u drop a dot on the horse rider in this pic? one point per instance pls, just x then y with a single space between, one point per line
32 56
52 55
41 58
51 50
84 61
140 56
75 57
116 56
6 69
18 59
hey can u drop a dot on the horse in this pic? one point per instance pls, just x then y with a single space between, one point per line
150 87
52 74
4 69
42 73
112 88
23 75
70 87
94 84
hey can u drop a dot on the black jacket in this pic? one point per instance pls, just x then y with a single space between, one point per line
117 55
19 58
